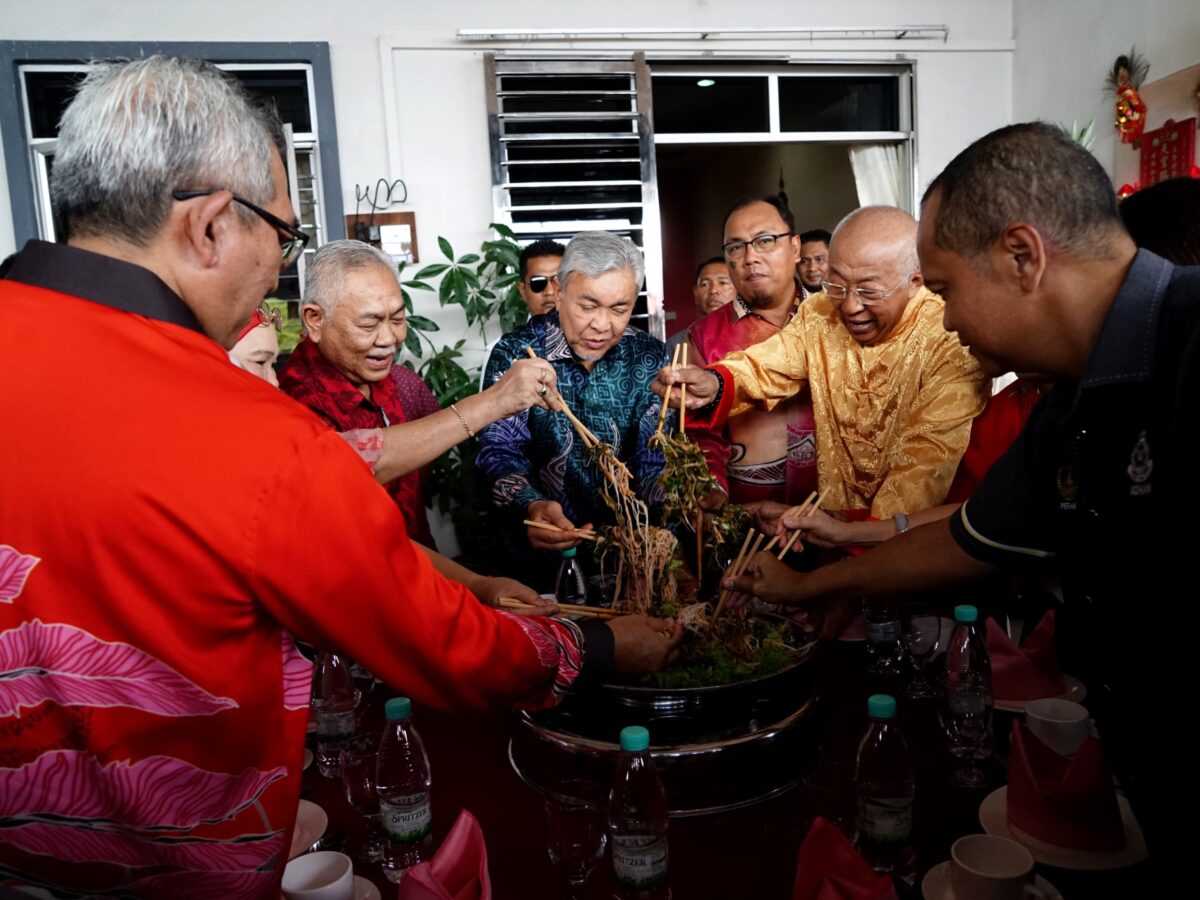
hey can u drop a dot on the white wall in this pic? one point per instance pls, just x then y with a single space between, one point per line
1065 49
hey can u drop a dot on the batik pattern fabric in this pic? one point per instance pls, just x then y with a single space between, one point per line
891 420
536 454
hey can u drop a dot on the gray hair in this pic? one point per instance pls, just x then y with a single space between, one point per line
136 131
323 276
593 253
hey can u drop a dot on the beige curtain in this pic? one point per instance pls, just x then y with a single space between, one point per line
877 174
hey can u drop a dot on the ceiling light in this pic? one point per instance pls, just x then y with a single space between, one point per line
705 82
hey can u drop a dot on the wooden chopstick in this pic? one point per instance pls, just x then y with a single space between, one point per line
662 412
546 526
589 439
572 609
683 394
802 510
735 569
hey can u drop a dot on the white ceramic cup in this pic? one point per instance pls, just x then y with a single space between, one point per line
1061 725
324 875
990 867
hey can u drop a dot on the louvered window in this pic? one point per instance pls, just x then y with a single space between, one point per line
573 149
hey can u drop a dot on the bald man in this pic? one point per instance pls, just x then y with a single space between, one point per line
893 392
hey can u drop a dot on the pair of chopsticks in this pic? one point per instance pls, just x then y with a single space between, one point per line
803 509
739 564
570 609
678 360
574 532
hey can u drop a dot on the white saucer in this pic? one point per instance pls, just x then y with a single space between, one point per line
308 760
993 816
311 822
936 884
1073 690
365 890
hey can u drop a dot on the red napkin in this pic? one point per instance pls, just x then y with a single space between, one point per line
829 868
1067 802
1028 672
458 871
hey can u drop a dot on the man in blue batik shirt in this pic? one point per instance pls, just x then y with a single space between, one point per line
536 464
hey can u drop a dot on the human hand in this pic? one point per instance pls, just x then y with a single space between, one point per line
642 644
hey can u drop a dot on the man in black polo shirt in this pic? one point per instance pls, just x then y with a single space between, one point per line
1022 238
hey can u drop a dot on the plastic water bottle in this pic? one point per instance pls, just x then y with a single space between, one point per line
883 637
883 786
967 712
637 821
569 586
402 782
333 702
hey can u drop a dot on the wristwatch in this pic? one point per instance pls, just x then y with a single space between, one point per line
901 521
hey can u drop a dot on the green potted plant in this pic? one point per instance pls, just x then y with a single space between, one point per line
484 284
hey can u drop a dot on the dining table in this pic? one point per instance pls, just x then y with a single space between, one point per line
748 852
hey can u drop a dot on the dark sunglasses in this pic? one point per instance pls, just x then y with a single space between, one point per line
539 283
290 247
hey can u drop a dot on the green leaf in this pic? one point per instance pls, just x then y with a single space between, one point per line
412 343
470 277
422 323
469 259
433 271
446 248
446 288
418 285
408 304
460 288
504 230
505 280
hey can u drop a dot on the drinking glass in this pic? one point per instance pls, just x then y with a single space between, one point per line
575 829
921 633
359 758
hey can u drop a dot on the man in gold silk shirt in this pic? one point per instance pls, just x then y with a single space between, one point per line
893 392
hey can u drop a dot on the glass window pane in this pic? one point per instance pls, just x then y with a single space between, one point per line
288 88
848 103
729 103
49 94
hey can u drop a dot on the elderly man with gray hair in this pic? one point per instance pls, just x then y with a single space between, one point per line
538 470
162 540
345 372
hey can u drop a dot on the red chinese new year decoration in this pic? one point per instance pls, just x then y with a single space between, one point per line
1125 80
1168 152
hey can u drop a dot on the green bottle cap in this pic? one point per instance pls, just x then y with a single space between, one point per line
966 613
568 554
881 706
398 709
635 738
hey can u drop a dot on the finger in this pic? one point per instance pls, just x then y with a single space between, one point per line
743 584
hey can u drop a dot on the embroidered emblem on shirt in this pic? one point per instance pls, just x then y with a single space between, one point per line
1140 467
1068 488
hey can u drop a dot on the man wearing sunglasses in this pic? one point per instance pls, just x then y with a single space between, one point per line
893 392
168 521
539 276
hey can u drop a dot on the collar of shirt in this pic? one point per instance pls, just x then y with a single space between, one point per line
1124 350
101 279
557 349
310 377
741 308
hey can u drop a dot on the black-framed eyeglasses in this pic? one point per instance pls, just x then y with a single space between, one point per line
539 283
271 316
290 247
761 244
866 296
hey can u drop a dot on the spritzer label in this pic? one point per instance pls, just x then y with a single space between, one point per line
407 819
886 819
640 861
